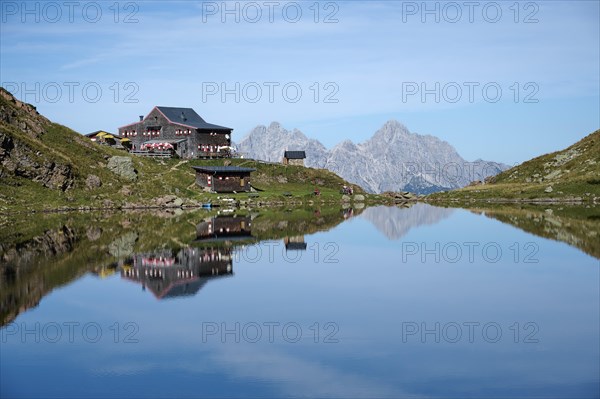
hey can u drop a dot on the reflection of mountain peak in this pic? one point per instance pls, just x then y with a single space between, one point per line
394 222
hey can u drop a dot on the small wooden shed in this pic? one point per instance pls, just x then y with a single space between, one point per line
294 158
223 179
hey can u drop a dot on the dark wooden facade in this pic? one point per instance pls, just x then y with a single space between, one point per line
190 135
223 179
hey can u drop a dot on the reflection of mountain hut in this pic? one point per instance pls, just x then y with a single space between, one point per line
224 228
294 243
184 274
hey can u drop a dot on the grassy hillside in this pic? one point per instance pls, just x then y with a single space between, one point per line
45 166
570 174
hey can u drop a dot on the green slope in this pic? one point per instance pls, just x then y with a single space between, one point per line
570 174
44 166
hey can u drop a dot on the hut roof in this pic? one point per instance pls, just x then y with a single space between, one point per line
189 117
294 154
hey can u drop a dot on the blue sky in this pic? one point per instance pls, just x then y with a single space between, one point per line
437 67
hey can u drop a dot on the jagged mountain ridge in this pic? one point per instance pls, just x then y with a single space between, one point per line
393 159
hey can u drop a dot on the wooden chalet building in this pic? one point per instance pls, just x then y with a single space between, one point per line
183 129
294 158
223 179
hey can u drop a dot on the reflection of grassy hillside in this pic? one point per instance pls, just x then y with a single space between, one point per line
270 225
571 173
39 253
575 225
37 260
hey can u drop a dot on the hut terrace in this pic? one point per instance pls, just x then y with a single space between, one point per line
180 131
223 179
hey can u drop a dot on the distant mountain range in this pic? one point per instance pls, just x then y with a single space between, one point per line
393 159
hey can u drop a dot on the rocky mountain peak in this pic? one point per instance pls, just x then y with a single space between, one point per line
393 159
391 130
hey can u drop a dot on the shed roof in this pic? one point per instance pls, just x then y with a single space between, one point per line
189 117
223 169
294 154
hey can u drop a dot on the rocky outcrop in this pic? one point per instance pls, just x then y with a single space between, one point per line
22 116
122 166
168 201
17 157
394 159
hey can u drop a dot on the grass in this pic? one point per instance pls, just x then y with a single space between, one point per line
571 173
156 178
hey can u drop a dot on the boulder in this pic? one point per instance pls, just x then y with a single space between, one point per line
548 189
93 182
345 198
359 198
178 202
122 166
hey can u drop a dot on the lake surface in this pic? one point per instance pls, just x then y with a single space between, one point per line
326 302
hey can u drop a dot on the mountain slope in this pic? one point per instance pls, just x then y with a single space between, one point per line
392 160
47 166
572 173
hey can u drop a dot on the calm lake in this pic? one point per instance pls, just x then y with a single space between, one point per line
326 302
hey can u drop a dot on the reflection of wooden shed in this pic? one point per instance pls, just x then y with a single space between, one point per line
294 158
223 179
294 243
224 228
